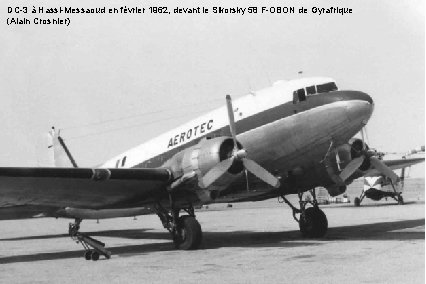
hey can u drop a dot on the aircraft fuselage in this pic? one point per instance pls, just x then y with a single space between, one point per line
286 131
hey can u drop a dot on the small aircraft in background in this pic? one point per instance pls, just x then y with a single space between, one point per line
379 186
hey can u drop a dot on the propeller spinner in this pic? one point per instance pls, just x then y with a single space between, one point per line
237 155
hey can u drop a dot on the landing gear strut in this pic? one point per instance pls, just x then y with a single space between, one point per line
358 200
398 195
185 230
312 221
93 248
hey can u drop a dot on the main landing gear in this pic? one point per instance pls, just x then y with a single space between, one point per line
93 248
358 200
185 230
397 195
312 221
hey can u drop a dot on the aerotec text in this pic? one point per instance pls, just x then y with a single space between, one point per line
192 132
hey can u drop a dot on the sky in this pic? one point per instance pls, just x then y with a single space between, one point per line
113 81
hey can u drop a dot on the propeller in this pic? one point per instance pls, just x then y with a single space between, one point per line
351 168
374 161
217 171
237 155
381 167
231 119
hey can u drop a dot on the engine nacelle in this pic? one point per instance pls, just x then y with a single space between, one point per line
201 158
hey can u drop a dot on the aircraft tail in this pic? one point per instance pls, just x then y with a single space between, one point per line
61 155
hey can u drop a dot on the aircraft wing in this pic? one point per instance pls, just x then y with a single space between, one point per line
395 165
81 187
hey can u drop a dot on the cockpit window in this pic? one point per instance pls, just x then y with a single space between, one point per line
327 87
310 90
301 95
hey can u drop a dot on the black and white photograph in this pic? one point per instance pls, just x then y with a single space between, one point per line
213 141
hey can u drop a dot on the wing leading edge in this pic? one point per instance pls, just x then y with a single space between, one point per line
396 164
81 187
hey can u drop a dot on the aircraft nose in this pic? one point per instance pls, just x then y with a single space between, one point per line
362 97
360 106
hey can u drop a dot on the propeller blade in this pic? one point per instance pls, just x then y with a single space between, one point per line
351 167
381 167
363 139
216 172
261 173
231 118
247 182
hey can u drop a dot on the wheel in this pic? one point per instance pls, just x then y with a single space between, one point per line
357 201
314 224
188 235
400 200
88 255
95 256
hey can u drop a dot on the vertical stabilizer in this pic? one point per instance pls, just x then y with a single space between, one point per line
61 155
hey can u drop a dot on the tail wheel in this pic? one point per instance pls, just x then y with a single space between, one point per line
400 200
357 201
188 235
314 224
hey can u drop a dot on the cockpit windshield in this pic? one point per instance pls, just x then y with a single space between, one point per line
327 87
310 90
300 94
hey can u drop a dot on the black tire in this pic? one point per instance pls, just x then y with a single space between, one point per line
95 256
400 200
314 224
189 234
88 255
357 202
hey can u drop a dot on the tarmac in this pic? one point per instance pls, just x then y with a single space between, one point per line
379 242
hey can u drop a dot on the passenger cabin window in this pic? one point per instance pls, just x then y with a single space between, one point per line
327 87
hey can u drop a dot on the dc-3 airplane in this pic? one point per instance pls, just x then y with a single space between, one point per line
378 186
287 139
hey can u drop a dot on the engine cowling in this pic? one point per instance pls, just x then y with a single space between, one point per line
202 157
